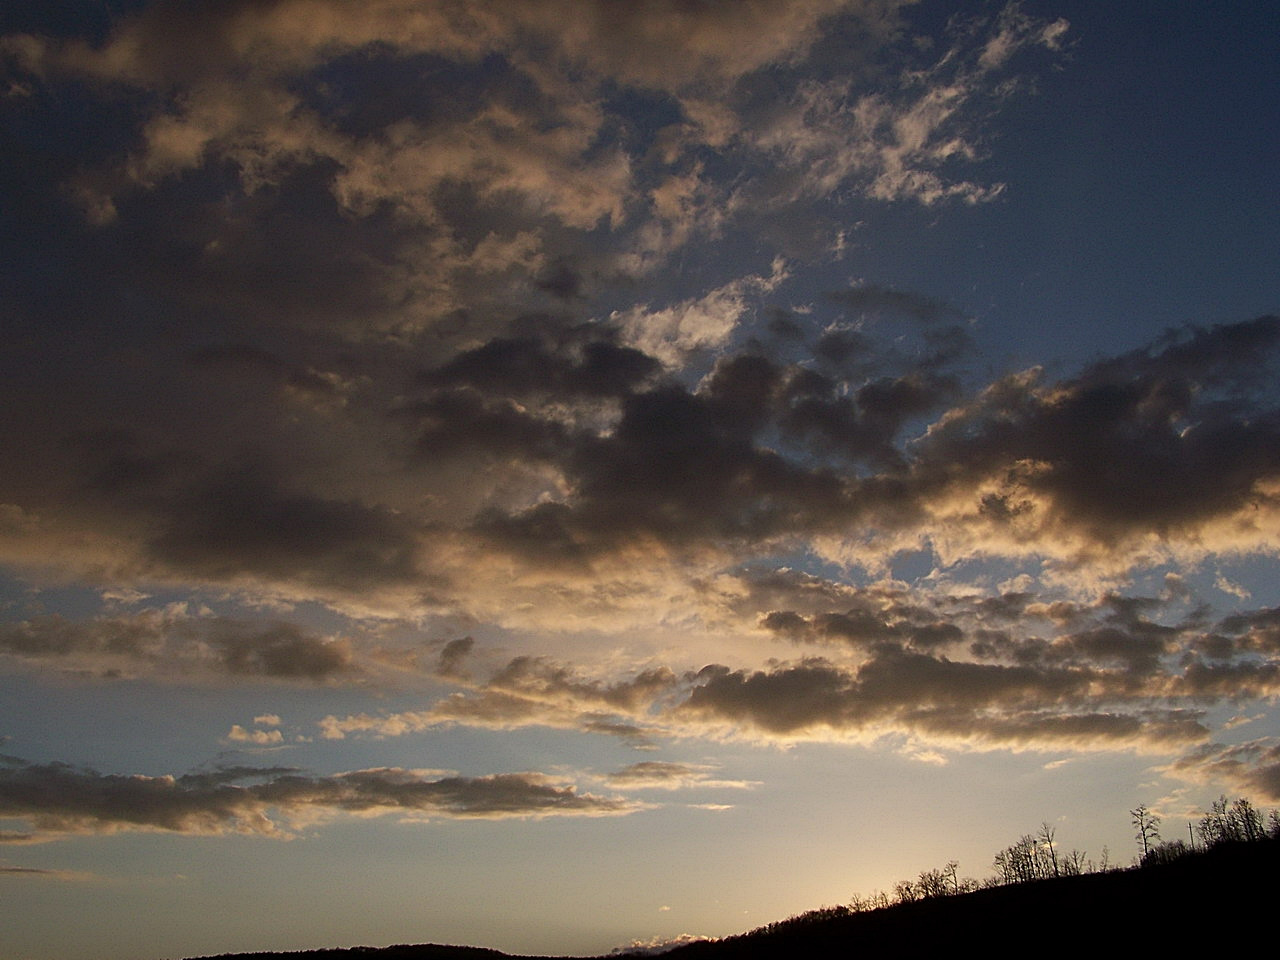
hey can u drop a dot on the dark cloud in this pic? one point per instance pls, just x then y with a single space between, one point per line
56 636
784 324
784 701
1111 666
282 651
1256 631
1151 730
931 696
862 427
519 368
1137 653
883 615
561 281
464 423
165 643
1232 682
453 655
244 523
1157 443
839 347
243 358
672 469
60 799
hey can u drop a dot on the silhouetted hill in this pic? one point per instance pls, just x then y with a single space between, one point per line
1219 900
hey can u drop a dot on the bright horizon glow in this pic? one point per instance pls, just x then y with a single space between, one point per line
551 475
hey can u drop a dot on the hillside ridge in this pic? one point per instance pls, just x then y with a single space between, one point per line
1205 898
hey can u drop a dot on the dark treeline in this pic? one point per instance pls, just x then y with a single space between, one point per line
1056 903
1062 901
1209 902
1228 825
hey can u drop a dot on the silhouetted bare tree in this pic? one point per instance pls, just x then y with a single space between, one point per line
1231 821
1147 824
1247 820
1074 863
1166 852
1215 826
1044 841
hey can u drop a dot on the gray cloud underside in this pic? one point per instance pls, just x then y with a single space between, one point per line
60 799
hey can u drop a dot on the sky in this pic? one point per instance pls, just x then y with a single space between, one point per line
551 475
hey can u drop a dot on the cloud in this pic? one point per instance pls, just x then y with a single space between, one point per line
952 669
471 147
249 91
38 873
895 142
978 705
673 332
411 329
529 691
364 307
1114 672
261 738
452 656
245 524
172 642
59 799
1161 452
664 775
1251 768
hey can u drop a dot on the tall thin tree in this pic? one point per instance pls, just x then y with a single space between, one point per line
1147 824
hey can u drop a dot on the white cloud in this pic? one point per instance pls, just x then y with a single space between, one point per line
261 738
706 323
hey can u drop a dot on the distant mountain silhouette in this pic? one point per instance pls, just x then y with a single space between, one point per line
1219 900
